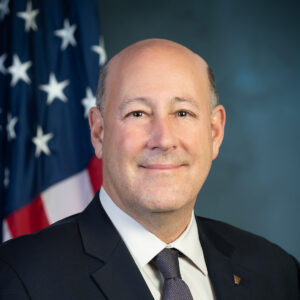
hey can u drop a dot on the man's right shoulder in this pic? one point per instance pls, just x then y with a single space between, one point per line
53 238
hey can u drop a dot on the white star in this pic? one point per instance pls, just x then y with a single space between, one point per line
18 70
29 17
4 10
88 102
55 89
6 178
2 67
10 127
67 34
41 142
100 49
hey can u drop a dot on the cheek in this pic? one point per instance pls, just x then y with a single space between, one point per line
196 139
128 140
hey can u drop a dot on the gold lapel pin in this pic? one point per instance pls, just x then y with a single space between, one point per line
236 279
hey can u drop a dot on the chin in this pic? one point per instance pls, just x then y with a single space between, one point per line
163 202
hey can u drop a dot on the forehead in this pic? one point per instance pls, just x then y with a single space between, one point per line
156 69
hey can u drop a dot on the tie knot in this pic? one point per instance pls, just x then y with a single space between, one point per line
167 263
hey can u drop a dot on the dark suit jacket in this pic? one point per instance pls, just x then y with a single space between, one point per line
83 257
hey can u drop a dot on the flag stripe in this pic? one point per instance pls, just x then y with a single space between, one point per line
95 172
6 232
67 197
29 218
63 199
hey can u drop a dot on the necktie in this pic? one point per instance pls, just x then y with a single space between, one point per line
174 287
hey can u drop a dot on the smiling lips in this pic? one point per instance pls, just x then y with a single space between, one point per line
162 167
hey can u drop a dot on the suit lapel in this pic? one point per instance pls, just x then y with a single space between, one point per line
229 279
117 276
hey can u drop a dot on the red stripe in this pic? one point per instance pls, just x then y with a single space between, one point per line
27 219
95 173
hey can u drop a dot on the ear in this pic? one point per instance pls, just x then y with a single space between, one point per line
97 130
218 118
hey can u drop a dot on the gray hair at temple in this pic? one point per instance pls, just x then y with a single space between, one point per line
102 79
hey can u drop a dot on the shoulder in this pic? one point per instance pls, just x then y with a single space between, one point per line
36 246
248 249
237 237
30 264
35 261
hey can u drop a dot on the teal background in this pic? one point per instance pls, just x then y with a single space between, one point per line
253 47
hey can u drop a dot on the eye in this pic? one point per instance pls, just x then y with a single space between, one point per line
135 114
182 113
185 114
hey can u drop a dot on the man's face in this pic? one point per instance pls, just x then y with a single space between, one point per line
159 138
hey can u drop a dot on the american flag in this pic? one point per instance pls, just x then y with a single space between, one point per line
51 52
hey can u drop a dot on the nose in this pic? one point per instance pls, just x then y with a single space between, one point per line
162 134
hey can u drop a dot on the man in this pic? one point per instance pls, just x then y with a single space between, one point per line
157 128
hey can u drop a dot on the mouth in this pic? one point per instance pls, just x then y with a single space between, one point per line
161 167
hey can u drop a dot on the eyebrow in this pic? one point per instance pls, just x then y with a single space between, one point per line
184 100
133 100
147 101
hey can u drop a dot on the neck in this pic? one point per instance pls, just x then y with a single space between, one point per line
167 226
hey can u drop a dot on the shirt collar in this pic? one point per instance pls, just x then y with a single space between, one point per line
144 245
188 243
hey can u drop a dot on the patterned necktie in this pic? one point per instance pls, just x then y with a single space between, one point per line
174 287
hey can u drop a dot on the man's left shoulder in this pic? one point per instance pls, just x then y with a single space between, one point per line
267 270
248 248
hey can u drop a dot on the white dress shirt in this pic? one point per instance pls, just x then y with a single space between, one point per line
144 246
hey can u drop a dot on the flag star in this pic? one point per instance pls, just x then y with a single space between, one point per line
18 70
67 34
100 49
2 67
10 127
6 177
29 16
4 10
88 102
41 142
55 89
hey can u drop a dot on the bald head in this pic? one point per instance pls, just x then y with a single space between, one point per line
148 51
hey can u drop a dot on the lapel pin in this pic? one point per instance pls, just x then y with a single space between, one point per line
236 279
